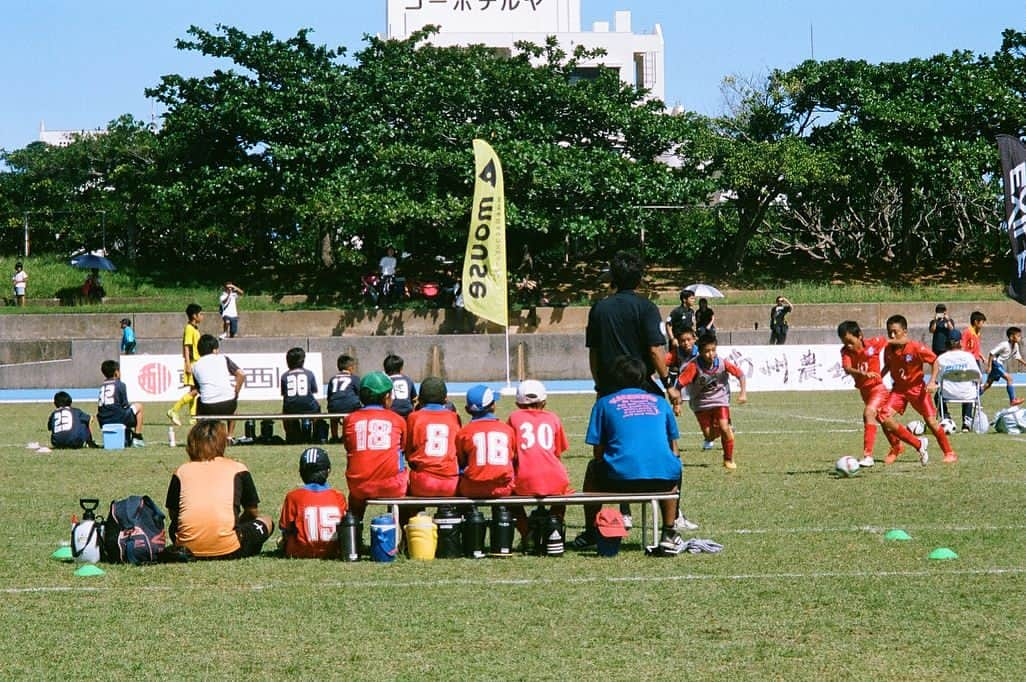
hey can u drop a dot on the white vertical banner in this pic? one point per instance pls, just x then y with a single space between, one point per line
158 378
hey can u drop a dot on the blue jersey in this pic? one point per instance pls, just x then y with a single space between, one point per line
344 393
112 404
69 427
403 394
127 340
298 392
635 429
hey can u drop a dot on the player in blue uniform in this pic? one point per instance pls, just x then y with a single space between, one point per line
343 392
112 406
298 395
68 426
403 390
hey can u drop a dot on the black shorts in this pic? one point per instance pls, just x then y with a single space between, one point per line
227 407
599 471
252 536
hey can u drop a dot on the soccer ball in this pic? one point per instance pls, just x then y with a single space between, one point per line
917 427
948 426
847 466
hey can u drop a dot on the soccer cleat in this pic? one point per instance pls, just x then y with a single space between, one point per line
584 539
671 544
893 454
924 456
138 443
173 416
950 458
683 523
628 521
729 464
867 461
708 445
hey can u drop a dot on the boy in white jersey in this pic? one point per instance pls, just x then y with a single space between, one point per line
997 363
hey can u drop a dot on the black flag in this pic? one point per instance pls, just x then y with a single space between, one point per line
1013 172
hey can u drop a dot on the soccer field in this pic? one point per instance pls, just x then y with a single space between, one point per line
805 588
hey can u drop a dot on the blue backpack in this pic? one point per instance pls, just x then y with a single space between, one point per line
134 531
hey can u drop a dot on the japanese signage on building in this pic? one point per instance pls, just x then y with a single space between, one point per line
469 16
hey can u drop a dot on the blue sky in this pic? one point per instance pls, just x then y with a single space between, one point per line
80 64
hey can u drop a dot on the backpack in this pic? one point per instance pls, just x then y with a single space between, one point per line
1010 420
134 531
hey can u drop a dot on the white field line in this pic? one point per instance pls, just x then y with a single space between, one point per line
527 582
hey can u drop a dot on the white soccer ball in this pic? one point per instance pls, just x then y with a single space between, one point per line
847 466
948 425
917 427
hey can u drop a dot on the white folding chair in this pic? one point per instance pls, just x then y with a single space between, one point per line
950 394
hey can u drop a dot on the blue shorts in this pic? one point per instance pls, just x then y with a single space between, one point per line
997 372
233 325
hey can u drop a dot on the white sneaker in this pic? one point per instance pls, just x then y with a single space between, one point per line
708 445
222 336
628 522
866 461
173 417
683 523
672 544
924 456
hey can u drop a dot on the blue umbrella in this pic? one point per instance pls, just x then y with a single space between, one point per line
88 261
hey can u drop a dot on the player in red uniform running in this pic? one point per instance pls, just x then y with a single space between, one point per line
861 358
487 448
905 362
431 443
374 438
540 443
310 515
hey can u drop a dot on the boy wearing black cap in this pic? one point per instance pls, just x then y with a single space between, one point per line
310 514
374 437
431 443
486 448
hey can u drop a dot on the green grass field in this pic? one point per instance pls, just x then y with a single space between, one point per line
806 587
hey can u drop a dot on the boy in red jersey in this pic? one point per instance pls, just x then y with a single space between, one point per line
971 337
487 448
310 515
860 358
431 443
683 352
374 437
904 360
540 442
709 395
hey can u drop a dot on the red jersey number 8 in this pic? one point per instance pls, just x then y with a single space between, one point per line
492 448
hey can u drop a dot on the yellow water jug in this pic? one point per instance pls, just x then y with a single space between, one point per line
421 537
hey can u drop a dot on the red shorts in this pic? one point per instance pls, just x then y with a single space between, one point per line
424 484
387 487
919 398
710 419
468 488
875 396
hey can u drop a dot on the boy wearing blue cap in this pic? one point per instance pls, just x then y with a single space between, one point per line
486 448
310 514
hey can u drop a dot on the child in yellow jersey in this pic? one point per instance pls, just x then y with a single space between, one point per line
190 354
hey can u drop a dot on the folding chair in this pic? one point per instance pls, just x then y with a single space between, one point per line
953 389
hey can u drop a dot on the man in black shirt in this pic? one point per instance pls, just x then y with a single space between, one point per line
680 317
778 321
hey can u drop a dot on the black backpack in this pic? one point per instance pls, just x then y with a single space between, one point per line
134 531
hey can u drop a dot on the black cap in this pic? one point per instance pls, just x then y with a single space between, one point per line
312 461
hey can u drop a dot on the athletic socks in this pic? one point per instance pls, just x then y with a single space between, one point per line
728 450
182 402
904 434
869 438
942 438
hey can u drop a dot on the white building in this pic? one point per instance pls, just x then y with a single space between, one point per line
639 58
62 138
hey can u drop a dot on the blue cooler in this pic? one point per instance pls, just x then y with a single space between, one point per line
383 538
114 436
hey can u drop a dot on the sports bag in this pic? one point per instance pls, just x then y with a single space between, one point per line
134 531
1010 420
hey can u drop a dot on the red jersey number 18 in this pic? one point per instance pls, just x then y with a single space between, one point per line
492 448
373 434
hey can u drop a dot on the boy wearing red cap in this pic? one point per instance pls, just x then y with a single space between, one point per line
486 448
374 437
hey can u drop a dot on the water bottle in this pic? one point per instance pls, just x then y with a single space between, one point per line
384 538
536 524
449 544
171 436
554 536
502 532
474 525
250 430
85 535
350 531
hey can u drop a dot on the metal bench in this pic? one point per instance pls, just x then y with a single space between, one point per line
652 500
258 417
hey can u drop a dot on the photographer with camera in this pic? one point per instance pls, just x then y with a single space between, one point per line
941 327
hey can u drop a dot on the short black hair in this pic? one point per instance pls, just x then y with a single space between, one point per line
345 362
686 329
1012 330
62 399
295 357
625 270
849 327
706 340
109 367
207 344
628 372
393 364
685 294
977 316
898 320
192 310
18 264
125 321
941 308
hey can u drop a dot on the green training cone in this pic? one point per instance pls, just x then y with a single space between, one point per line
62 554
897 534
943 553
89 570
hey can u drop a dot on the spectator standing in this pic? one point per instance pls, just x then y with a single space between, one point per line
705 319
941 327
20 281
230 310
778 321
